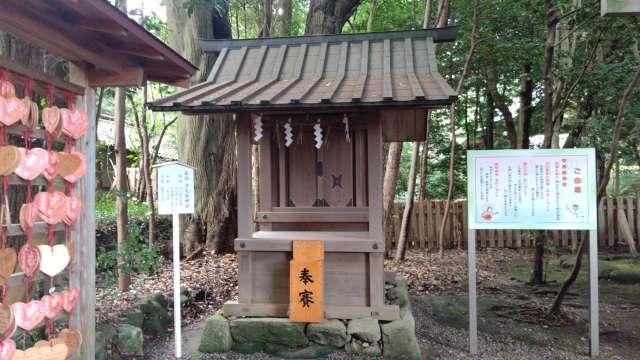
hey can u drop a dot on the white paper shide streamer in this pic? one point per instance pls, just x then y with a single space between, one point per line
257 128
288 134
347 133
317 133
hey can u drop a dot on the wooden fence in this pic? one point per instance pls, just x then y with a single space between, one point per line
427 218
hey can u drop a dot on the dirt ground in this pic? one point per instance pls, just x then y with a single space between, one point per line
512 321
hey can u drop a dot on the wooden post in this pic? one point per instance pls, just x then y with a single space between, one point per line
594 318
83 272
376 230
243 121
473 310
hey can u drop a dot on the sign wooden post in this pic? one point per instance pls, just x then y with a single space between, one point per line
306 282
176 195
551 189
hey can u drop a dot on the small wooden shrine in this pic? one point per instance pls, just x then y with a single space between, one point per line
319 109
47 166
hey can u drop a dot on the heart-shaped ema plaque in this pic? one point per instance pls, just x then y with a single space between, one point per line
33 163
8 260
51 206
53 303
53 259
7 322
68 163
7 349
72 338
51 352
52 168
51 120
28 316
28 216
75 122
30 118
10 159
69 299
74 207
29 260
7 89
79 172
15 110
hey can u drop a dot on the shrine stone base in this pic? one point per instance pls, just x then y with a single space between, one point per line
285 339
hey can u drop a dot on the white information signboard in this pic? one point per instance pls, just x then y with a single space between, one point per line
176 195
175 188
532 189
550 189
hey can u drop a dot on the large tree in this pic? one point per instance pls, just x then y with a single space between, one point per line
207 142
329 16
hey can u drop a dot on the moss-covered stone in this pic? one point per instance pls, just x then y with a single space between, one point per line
105 336
313 351
365 329
156 318
329 332
216 336
161 300
399 338
247 347
268 330
130 340
625 276
135 318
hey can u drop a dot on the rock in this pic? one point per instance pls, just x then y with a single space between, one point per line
372 350
625 276
130 340
329 332
135 318
268 330
105 336
365 329
156 318
399 295
399 338
247 347
313 351
216 336
354 347
567 261
161 300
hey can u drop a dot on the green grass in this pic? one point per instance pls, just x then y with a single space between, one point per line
106 206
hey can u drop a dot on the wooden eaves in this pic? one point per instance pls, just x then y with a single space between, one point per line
112 48
344 72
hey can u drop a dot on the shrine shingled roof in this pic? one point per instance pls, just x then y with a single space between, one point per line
345 70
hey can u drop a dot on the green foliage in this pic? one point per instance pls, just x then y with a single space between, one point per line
106 206
137 257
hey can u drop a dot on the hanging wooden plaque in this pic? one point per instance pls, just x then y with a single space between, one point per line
306 282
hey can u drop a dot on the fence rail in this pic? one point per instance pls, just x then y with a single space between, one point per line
427 218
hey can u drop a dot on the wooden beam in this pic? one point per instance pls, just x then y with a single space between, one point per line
17 20
133 76
244 191
101 26
38 76
303 216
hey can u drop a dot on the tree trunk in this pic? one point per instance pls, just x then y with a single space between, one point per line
547 71
372 15
285 14
390 177
210 144
408 205
329 16
537 275
526 108
267 7
499 100
146 162
427 14
124 279
490 123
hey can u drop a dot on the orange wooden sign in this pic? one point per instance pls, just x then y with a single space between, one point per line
306 282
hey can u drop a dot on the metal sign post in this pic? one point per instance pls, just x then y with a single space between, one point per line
176 195
551 189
